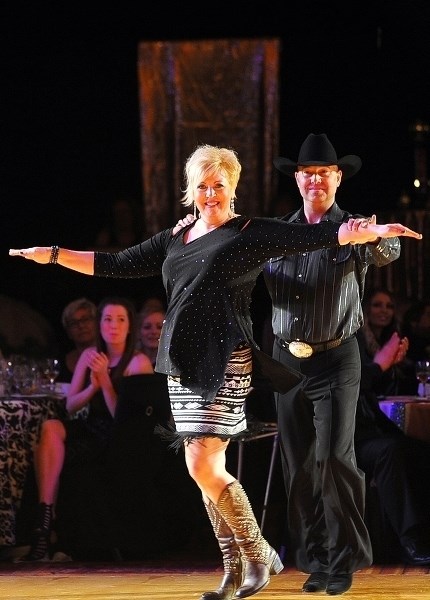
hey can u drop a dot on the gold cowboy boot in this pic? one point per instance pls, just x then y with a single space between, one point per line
233 565
261 560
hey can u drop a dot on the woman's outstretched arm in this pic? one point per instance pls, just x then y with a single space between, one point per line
81 261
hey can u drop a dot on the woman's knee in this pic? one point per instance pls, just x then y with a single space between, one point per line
52 429
205 458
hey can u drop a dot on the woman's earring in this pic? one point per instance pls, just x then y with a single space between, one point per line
232 206
194 210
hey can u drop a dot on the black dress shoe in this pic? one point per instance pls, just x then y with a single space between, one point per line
316 582
414 553
339 583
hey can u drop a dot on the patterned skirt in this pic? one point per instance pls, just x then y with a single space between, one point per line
225 416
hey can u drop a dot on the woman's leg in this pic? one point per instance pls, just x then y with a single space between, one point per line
205 459
48 464
206 464
49 459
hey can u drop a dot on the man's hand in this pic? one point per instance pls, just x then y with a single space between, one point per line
364 222
365 230
187 220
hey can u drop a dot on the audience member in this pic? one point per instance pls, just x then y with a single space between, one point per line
150 323
95 382
79 323
153 302
379 335
398 466
416 326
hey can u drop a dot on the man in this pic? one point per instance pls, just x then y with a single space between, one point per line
316 299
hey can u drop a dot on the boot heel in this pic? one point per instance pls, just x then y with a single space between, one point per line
276 565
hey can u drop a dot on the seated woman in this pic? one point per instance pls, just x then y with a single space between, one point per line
95 383
397 466
79 322
150 323
382 326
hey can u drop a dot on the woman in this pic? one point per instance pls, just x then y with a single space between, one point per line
396 465
150 324
94 385
382 347
206 347
79 321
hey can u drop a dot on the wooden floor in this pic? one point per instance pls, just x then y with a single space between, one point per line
158 581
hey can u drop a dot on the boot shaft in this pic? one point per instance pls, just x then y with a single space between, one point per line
235 508
225 538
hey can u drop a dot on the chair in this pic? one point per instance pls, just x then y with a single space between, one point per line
139 501
258 430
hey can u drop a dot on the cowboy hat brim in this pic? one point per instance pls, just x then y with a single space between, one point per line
349 165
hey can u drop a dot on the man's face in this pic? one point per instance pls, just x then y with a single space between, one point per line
318 183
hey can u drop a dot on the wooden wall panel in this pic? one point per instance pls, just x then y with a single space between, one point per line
221 92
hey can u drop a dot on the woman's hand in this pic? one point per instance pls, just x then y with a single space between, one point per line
392 352
98 362
80 261
94 380
40 254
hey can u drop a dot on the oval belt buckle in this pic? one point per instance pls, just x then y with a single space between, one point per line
300 349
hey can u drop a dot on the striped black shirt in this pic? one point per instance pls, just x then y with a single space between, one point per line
316 296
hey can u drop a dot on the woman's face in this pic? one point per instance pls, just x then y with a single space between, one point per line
114 324
381 310
212 196
150 329
82 327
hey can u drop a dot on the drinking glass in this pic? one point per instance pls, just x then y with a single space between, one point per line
22 378
51 370
422 371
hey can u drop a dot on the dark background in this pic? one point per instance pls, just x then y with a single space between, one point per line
70 112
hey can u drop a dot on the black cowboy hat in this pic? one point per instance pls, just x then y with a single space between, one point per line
318 150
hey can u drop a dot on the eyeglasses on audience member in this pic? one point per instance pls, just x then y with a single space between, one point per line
75 323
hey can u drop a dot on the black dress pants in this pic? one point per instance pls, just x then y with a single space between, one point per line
325 489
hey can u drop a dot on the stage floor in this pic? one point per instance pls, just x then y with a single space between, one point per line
160 580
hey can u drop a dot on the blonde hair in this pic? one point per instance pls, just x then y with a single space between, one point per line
207 160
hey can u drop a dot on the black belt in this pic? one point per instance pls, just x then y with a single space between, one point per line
305 350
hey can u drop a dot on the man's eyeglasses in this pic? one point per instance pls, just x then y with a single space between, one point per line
322 172
75 323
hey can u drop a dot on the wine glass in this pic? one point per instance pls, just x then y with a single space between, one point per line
422 371
51 370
